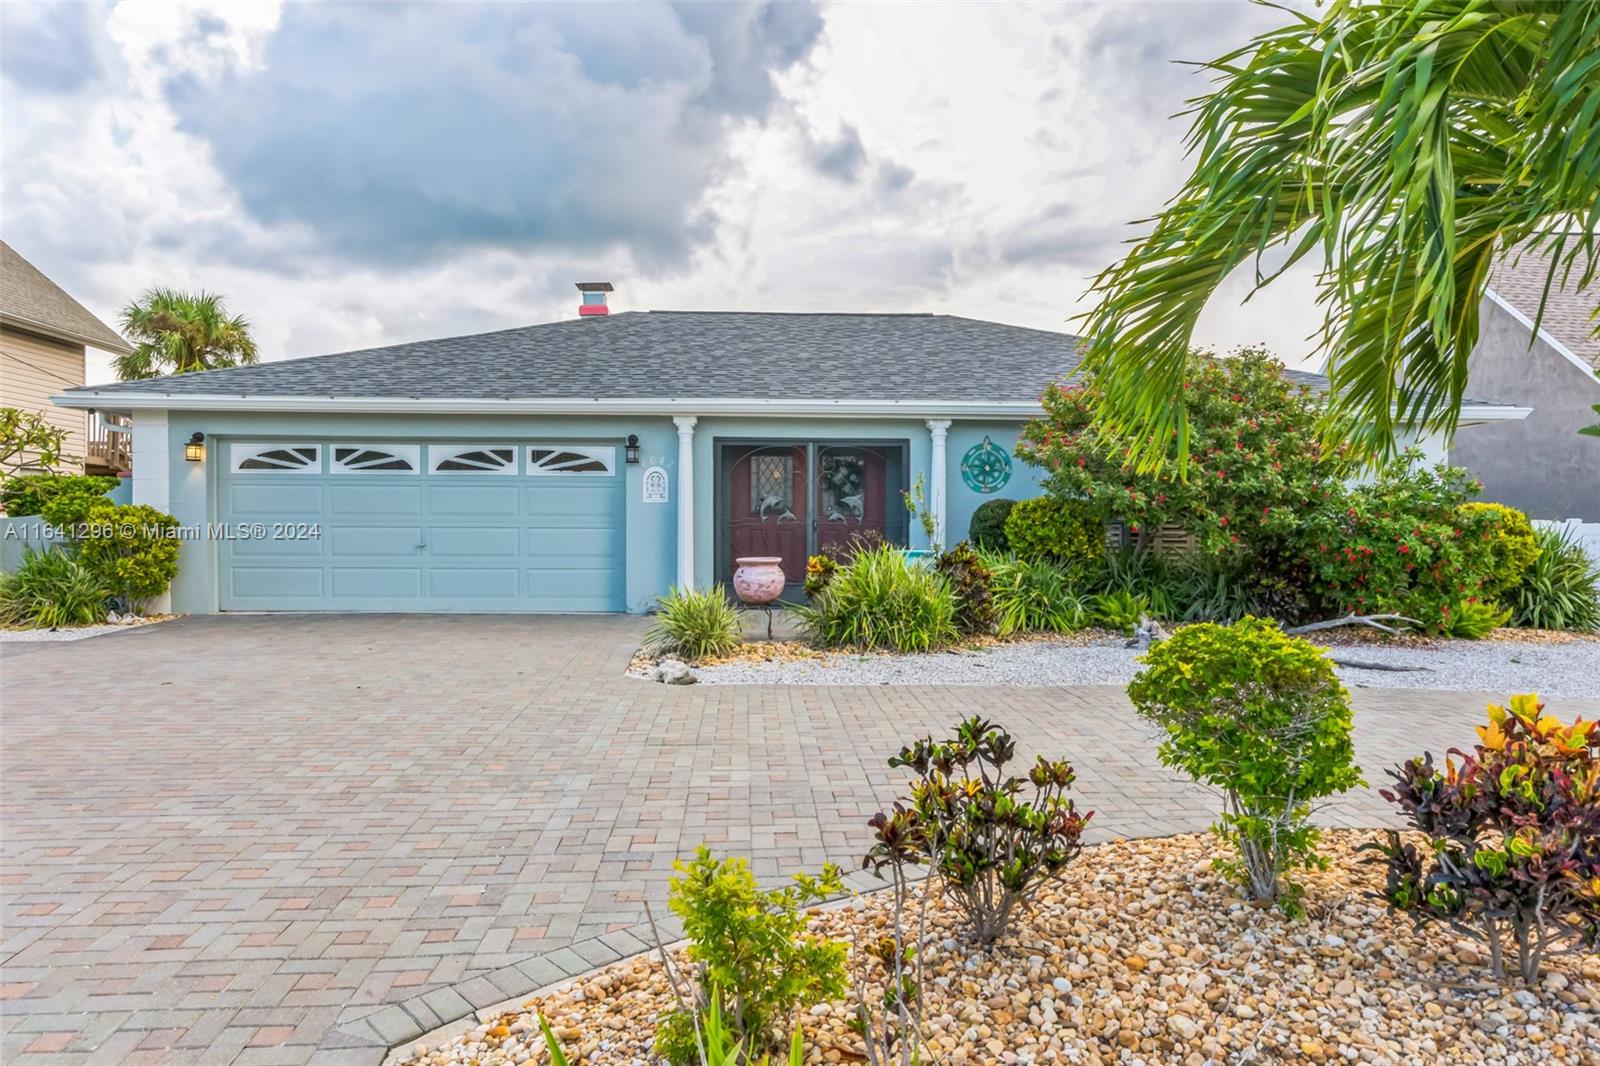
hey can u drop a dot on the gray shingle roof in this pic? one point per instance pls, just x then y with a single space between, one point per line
1568 312
675 355
32 301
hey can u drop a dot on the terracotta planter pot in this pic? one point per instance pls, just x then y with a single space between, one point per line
758 579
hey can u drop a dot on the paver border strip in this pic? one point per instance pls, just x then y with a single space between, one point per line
386 1035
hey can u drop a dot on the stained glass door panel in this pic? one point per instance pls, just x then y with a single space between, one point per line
767 506
852 497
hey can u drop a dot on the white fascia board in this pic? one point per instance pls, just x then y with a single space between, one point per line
112 401
1527 323
1499 412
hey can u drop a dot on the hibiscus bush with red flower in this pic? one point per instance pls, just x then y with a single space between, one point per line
1257 459
1398 544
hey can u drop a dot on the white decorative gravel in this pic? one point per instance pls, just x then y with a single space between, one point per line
36 636
1570 669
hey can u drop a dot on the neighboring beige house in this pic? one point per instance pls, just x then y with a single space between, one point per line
43 334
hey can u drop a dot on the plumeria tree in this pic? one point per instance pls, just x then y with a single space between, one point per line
1407 145
1258 463
178 333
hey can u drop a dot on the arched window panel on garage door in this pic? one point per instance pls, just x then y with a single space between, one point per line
472 459
276 458
554 459
376 458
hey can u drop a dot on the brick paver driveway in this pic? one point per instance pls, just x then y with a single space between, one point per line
293 839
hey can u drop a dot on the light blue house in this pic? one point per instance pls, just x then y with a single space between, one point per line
585 465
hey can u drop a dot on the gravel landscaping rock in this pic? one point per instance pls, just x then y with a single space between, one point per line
34 636
1142 955
1569 668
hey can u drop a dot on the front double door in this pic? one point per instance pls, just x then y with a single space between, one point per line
793 499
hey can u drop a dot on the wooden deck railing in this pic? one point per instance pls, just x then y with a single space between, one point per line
110 448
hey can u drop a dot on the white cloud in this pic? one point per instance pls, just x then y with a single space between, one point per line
982 160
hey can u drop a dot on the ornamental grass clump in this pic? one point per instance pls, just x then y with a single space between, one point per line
750 953
1034 596
1513 851
967 821
1260 716
694 624
881 601
51 588
1561 588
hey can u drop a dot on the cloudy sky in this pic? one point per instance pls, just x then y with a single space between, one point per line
348 175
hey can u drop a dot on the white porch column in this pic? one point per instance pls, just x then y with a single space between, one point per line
938 428
685 424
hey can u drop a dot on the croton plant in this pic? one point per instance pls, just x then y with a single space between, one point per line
969 822
1513 852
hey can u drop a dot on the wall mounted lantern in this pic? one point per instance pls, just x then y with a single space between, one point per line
195 450
631 453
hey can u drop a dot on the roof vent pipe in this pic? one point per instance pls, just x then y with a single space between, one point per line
594 298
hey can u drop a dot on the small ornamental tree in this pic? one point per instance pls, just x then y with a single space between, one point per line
968 821
1261 716
1257 461
1513 851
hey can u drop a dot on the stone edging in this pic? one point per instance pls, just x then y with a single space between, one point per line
377 1039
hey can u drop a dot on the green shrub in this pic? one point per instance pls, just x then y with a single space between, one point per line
1508 536
1475 620
133 548
694 624
1208 587
1120 610
1396 544
881 601
1034 596
1513 851
967 820
750 949
972 581
1145 575
26 494
987 529
1561 590
49 589
1262 717
1060 531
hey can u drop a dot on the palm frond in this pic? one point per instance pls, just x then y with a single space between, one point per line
1411 143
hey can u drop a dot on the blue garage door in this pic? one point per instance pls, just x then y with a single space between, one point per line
330 525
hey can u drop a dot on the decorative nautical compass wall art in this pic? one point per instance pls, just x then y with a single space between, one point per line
986 468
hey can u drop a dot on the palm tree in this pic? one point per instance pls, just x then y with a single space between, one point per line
1409 143
178 332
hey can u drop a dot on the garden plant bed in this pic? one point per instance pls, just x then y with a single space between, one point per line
1562 664
1142 954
